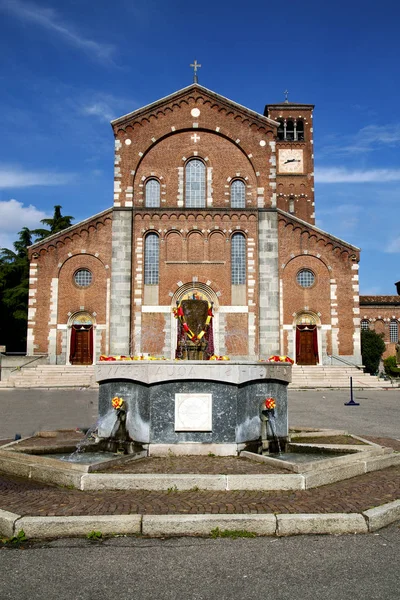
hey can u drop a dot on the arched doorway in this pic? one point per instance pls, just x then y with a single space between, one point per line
81 339
307 340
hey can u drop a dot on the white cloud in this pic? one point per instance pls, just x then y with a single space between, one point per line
50 20
14 216
17 177
344 175
106 106
365 140
99 109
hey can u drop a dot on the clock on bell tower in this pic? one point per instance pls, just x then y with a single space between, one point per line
294 158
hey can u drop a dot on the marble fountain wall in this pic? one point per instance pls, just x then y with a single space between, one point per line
193 407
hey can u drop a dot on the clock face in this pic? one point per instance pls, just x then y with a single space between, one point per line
290 160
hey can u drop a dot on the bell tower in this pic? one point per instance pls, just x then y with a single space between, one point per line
294 158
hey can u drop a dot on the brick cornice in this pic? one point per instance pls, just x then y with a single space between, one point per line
196 93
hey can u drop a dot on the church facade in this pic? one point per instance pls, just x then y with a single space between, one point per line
210 199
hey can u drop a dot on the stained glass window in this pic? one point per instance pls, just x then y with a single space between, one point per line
83 277
195 194
238 194
305 278
238 259
151 257
152 197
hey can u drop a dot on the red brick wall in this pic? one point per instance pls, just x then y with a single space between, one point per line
60 257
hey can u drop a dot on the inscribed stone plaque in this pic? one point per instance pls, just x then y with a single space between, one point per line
193 412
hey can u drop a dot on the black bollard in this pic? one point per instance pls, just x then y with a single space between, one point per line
351 403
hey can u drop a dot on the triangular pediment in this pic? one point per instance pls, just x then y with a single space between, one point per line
193 90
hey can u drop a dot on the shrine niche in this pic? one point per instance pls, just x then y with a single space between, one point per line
195 339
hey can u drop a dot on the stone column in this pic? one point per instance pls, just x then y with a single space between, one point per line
268 270
121 275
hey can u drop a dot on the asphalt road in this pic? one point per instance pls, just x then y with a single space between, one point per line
351 567
27 411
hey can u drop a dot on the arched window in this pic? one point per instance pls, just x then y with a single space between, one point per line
289 130
238 194
152 193
195 190
394 331
151 257
281 131
364 324
238 259
300 131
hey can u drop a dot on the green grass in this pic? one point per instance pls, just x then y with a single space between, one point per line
231 533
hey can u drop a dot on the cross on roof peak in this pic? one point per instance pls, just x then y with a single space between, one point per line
195 66
286 92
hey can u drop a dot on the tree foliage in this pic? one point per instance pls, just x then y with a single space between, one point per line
372 348
391 368
14 281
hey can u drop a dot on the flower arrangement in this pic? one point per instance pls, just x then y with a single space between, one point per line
284 359
178 314
216 357
117 403
270 403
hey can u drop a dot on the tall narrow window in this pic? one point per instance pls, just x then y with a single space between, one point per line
152 193
300 131
394 331
151 257
289 130
364 324
195 192
238 194
281 131
238 259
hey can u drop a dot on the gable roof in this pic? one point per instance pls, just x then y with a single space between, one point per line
185 90
317 229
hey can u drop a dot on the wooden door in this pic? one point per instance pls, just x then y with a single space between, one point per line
305 353
81 351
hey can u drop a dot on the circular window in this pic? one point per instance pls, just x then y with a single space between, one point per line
83 277
305 278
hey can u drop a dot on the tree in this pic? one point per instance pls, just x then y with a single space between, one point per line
14 281
56 223
14 285
372 348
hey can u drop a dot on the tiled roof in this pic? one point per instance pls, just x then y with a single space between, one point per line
379 300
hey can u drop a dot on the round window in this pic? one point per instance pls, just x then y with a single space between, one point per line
83 277
305 278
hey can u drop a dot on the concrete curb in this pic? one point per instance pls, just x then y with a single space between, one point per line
382 515
179 525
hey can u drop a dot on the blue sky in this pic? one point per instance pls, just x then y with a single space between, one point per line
68 68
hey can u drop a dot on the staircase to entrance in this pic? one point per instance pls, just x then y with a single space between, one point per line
303 377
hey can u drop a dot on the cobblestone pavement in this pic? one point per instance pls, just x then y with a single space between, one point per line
26 497
353 495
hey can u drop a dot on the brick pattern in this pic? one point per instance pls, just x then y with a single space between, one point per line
352 495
